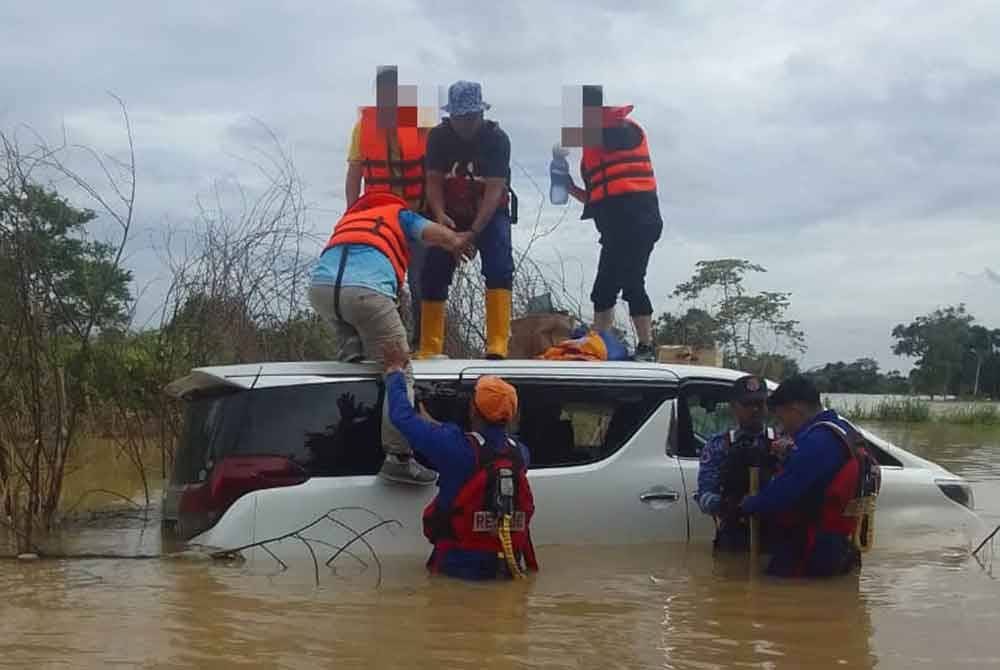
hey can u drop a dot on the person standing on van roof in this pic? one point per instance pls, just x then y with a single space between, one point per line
484 505
620 196
468 185
355 286
386 153
808 499
723 475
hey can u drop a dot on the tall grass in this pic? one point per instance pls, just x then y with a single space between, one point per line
899 410
978 415
914 410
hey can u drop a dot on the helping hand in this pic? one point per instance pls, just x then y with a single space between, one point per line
446 221
465 246
395 356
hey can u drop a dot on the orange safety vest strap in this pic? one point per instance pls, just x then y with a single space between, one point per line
604 165
381 171
357 230
372 227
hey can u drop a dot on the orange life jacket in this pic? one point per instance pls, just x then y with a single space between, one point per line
374 220
610 173
382 172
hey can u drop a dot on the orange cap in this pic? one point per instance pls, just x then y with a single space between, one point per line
495 399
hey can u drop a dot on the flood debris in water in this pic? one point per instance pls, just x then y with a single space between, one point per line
314 545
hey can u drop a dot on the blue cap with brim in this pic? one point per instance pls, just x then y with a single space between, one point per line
465 97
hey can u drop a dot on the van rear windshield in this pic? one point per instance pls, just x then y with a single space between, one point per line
329 429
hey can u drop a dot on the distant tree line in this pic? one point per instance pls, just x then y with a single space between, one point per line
954 355
861 376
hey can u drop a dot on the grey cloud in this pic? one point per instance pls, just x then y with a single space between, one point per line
766 125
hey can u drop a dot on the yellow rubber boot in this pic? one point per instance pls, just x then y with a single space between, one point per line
431 328
498 308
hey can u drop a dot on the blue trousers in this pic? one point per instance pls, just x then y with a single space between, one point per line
494 247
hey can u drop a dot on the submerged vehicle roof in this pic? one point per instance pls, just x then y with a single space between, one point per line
265 375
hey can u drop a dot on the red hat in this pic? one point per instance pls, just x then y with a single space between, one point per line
614 116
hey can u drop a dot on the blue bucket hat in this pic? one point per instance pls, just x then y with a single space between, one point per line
465 97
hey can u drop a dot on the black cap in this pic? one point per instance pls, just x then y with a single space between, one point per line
749 389
794 389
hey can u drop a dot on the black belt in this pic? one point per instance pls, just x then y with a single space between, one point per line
336 286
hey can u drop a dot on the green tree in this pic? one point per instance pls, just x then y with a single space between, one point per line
57 289
940 341
861 376
771 366
984 349
748 323
696 328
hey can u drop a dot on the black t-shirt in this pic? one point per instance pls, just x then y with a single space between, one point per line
487 155
638 208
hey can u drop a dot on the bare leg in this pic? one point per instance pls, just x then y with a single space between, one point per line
643 329
604 320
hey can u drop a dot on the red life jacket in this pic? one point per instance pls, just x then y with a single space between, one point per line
374 220
383 171
610 173
471 521
833 511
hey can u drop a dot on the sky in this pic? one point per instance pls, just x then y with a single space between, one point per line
851 148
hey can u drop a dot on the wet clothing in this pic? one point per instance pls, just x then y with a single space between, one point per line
798 492
723 481
494 501
446 447
630 225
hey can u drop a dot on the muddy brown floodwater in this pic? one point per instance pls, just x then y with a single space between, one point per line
917 603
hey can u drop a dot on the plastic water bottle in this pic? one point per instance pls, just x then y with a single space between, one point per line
559 176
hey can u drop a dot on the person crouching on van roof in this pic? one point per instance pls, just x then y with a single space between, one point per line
726 459
355 287
808 499
483 484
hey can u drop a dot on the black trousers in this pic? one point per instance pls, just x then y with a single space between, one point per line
621 269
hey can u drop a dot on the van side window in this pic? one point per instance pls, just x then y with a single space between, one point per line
576 425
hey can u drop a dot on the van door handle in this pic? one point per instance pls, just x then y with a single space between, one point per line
659 494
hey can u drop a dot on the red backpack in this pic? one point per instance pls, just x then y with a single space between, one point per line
498 486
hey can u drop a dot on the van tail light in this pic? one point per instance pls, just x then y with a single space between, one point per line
202 504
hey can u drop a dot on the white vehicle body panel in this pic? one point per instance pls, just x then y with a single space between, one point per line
640 494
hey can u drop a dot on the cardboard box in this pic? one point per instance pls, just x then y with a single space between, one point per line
685 355
531 335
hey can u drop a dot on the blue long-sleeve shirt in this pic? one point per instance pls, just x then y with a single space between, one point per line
817 456
446 446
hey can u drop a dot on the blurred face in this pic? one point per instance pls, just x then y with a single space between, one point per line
749 414
792 417
467 125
